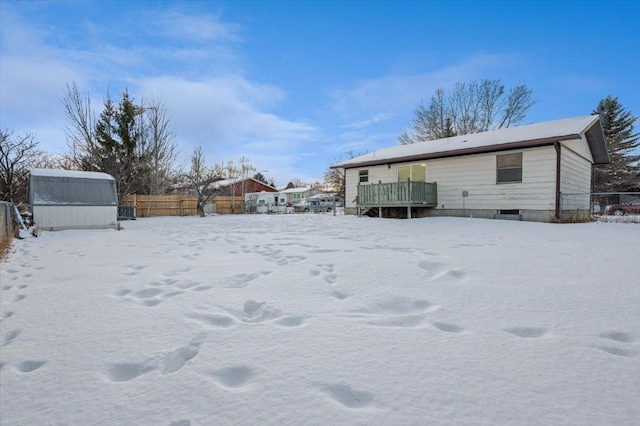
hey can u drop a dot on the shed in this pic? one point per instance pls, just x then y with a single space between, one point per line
71 199
539 172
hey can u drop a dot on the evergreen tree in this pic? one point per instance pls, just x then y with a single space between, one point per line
623 173
119 145
132 142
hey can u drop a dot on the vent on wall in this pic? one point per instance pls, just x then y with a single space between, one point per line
509 212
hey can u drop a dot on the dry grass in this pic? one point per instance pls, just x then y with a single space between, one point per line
5 243
620 219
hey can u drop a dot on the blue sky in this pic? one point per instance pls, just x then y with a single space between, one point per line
294 86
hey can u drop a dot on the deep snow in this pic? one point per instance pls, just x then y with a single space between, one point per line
321 319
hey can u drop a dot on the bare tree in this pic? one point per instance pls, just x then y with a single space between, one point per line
131 141
335 178
231 173
80 127
18 154
159 146
469 108
298 183
200 178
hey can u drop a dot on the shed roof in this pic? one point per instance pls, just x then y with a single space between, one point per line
531 135
70 174
54 187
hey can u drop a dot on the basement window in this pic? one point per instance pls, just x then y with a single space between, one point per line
509 168
364 175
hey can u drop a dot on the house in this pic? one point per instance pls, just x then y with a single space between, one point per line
298 194
538 172
239 187
70 199
229 195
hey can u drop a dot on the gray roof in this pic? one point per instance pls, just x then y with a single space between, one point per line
531 135
53 187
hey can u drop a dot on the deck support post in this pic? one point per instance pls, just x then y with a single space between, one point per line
408 212
379 211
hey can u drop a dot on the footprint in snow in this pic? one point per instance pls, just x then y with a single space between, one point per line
29 366
289 322
216 320
233 377
127 371
169 362
340 295
618 336
526 332
8 337
343 394
448 328
176 359
617 351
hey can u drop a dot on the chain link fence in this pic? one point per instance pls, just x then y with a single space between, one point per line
603 206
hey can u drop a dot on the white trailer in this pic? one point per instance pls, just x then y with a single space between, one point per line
269 202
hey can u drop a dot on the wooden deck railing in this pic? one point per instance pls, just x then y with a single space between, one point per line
398 194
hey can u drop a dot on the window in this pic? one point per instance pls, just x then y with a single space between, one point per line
415 172
509 168
364 175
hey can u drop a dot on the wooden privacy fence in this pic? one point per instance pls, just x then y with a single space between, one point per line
162 205
179 205
228 204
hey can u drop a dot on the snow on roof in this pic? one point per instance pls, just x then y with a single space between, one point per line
70 174
568 127
227 182
296 190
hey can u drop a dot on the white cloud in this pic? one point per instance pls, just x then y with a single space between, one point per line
402 93
377 118
227 116
203 28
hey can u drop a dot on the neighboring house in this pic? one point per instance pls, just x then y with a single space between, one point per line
70 199
186 188
297 194
520 172
239 187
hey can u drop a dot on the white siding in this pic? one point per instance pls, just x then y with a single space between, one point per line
377 174
575 180
476 174
581 147
69 217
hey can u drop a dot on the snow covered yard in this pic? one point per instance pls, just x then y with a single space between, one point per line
320 319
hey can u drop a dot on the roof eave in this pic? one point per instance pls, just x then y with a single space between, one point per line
597 143
459 152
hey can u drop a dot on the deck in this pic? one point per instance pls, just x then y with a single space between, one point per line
398 194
